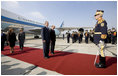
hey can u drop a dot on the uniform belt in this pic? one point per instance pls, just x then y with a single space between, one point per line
97 33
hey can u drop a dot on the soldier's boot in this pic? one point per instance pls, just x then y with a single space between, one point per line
102 63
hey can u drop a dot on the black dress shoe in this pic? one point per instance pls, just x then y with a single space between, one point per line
52 53
47 57
98 65
2 50
21 49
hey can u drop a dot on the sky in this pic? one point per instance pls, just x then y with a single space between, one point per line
73 13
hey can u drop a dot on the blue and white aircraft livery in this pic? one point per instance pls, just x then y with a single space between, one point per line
10 19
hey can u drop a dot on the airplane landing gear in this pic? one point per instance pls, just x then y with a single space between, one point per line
36 37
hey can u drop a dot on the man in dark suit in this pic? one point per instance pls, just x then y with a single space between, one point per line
21 38
46 39
68 37
63 36
53 38
3 39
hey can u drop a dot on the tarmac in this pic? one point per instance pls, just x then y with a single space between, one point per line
12 66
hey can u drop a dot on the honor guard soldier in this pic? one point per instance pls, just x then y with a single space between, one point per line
76 36
73 37
113 35
79 37
86 36
91 35
109 36
100 36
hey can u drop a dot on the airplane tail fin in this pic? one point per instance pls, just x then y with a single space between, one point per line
62 24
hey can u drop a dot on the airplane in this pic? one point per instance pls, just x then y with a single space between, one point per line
10 19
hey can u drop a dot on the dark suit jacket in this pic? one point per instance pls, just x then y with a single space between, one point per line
52 35
45 32
68 35
3 37
21 37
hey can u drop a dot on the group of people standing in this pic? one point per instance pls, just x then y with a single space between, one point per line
89 36
99 36
77 36
10 38
48 39
112 36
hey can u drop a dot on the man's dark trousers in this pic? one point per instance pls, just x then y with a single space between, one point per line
52 46
46 48
86 39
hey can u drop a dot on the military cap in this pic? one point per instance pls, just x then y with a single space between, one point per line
99 12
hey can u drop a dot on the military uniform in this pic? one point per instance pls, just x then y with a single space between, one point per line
100 28
113 36
72 37
109 37
91 36
79 37
100 36
86 37
75 37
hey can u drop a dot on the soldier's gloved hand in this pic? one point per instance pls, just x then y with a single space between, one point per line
103 36
101 42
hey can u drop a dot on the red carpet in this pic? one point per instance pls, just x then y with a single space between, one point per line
64 62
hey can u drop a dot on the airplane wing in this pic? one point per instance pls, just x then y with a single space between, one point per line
61 28
73 28
36 31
